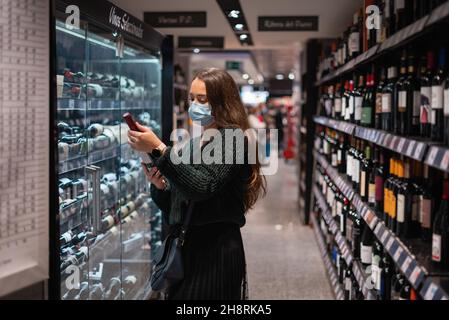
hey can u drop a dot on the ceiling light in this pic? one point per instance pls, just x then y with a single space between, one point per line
291 76
243 36
196 50
238 26
234 14
279 77
250 81
245 76
260 77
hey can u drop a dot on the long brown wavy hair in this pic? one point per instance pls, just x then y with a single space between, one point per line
228 111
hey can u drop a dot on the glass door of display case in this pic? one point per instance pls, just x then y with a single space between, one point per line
109 224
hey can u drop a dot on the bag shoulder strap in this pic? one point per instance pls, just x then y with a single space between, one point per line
185 224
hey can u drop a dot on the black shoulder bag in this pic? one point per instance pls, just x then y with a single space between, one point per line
168 268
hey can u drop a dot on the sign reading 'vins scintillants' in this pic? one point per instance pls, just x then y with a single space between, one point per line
288 23
191 19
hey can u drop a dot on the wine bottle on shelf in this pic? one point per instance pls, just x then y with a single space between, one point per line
351 102
437 116
387 274
358 100
440 237
341 155
426 94
358 163
365 174
446 110
354 45
388 100
387 196
113 288
397 283
83 294
344 215
401 121
338 101
366 247
405 226
381 171
357 230
345 114
348 283
329 103
400 14
376 265
379 91
372 179
426 200
404 293
349 157
369 103
413 98
396 170
416 183
409 12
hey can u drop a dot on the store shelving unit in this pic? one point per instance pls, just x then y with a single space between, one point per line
410 256
403 37
330 269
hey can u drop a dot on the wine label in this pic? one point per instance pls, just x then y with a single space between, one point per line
354 43
426 209
401 208
328 105
67 237
351 105
415 208
339 156
402 101
371 193
358 108
446 102
348 165
363 183
348 284
379 102
386 102
366 254
374 275
399 4
393 205
416 103
356 171
436 247
426 93
334 159
379 181
366 115
337 105
437 97
339 210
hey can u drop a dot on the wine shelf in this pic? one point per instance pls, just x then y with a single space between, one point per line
434 155
357 269
65 104
411 256
331 271
415 30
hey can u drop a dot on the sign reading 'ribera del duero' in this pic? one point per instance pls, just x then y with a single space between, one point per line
288 23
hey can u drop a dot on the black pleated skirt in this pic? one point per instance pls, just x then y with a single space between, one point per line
214 264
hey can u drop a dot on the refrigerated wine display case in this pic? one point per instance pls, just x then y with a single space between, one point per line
108 64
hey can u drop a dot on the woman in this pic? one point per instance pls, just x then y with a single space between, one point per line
222 193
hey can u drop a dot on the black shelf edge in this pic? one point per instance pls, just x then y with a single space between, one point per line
331 271
409 147
415 30
407 262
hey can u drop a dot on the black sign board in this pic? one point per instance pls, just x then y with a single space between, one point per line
201 42
189 19
288 23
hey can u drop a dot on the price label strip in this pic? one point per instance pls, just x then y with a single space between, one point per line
431 157
410 146
440 13
416 276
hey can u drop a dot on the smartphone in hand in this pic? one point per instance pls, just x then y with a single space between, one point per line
132 125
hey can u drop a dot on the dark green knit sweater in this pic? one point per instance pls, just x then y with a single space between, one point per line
217 189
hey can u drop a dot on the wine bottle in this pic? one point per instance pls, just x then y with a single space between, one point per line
341 155
426 200
113 288
446 110
358 163
349 157
397 283
343 216
107 222
437 116
66 238
440 237
354 45
372 180
366 246
379 90
365 174
413 98
388 100
401 121
404 293
404 227
387 196
416 199
83 294
387 274
350 112
396 170
380 188
376 264
357 230
358 101
338 101
345 103
369 103
426 95
97 291
400 14
348 283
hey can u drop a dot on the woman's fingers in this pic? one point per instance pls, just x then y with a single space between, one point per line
142 128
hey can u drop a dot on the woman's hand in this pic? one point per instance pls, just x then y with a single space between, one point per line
155 177
144 141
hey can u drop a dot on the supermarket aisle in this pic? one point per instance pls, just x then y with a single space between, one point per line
282 256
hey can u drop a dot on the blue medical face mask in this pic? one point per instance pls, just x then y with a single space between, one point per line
201 113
